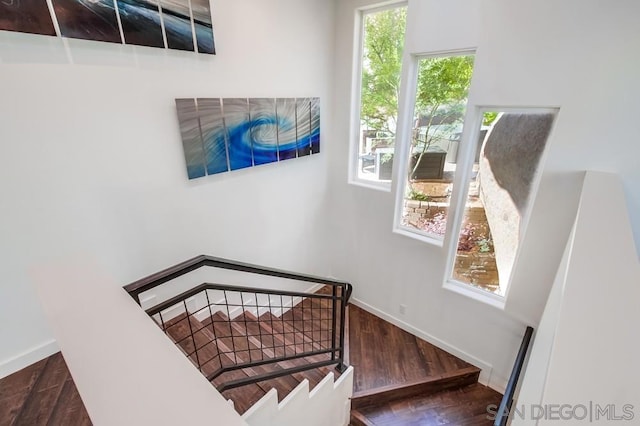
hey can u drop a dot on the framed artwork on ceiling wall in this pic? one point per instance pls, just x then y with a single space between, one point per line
171 24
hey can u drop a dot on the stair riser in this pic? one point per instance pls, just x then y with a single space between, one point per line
423 389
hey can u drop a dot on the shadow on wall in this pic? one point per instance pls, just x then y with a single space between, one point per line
513 152
508 165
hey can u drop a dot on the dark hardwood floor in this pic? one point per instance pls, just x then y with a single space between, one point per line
400 379
464 406
385 355
42 394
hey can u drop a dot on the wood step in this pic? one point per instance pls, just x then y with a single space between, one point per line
462 406
425 386
219 342
391 364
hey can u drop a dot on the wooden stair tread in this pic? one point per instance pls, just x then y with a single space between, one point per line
424 386
411 358
462 406
222 342
392 367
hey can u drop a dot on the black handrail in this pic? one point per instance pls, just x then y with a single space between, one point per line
154 280
502 414
208 286
338 301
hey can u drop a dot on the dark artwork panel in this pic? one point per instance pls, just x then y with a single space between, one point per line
213 135
140 21
203 26
286 115
88 20
264 130
238 127
191 137
303 125
26 16
315 125
177 24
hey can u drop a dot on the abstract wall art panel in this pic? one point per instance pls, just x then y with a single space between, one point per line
26 16
315 125
176 16
140 21
264 130
220 135
89 20
214 136
191 137
238 126
286 115
303 126
171 23
203 26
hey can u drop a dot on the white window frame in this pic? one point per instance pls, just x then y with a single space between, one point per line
403 135
354 139
451 245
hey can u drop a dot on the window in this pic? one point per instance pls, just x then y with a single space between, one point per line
469 190
382 44
499 193
431 148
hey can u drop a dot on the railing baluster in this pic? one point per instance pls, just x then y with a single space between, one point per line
262 346
306 339
334 301
213 329
343 309
193 337
233 341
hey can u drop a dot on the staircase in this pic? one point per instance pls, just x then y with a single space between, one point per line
221 341
269 352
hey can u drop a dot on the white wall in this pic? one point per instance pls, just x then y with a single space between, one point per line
125 368
574 55
91 158
588 334
328 404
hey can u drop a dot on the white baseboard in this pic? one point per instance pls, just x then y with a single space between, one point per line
486 376
27 358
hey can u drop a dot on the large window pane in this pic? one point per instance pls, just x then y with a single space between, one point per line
383 42
441 100
500 196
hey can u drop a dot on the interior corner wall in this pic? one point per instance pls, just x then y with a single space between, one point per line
574 55
91 158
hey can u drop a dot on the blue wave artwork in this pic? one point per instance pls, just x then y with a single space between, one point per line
303 126
191 137
213 135
287 136
238 126
315 125
236 133
264 130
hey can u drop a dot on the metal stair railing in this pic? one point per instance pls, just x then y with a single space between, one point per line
211 323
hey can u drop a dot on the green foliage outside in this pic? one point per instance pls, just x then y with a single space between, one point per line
443 82
382 63
443 86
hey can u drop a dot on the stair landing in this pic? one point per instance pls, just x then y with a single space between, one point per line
400 379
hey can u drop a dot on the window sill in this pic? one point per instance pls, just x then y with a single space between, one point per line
480 295
371 184
416 235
